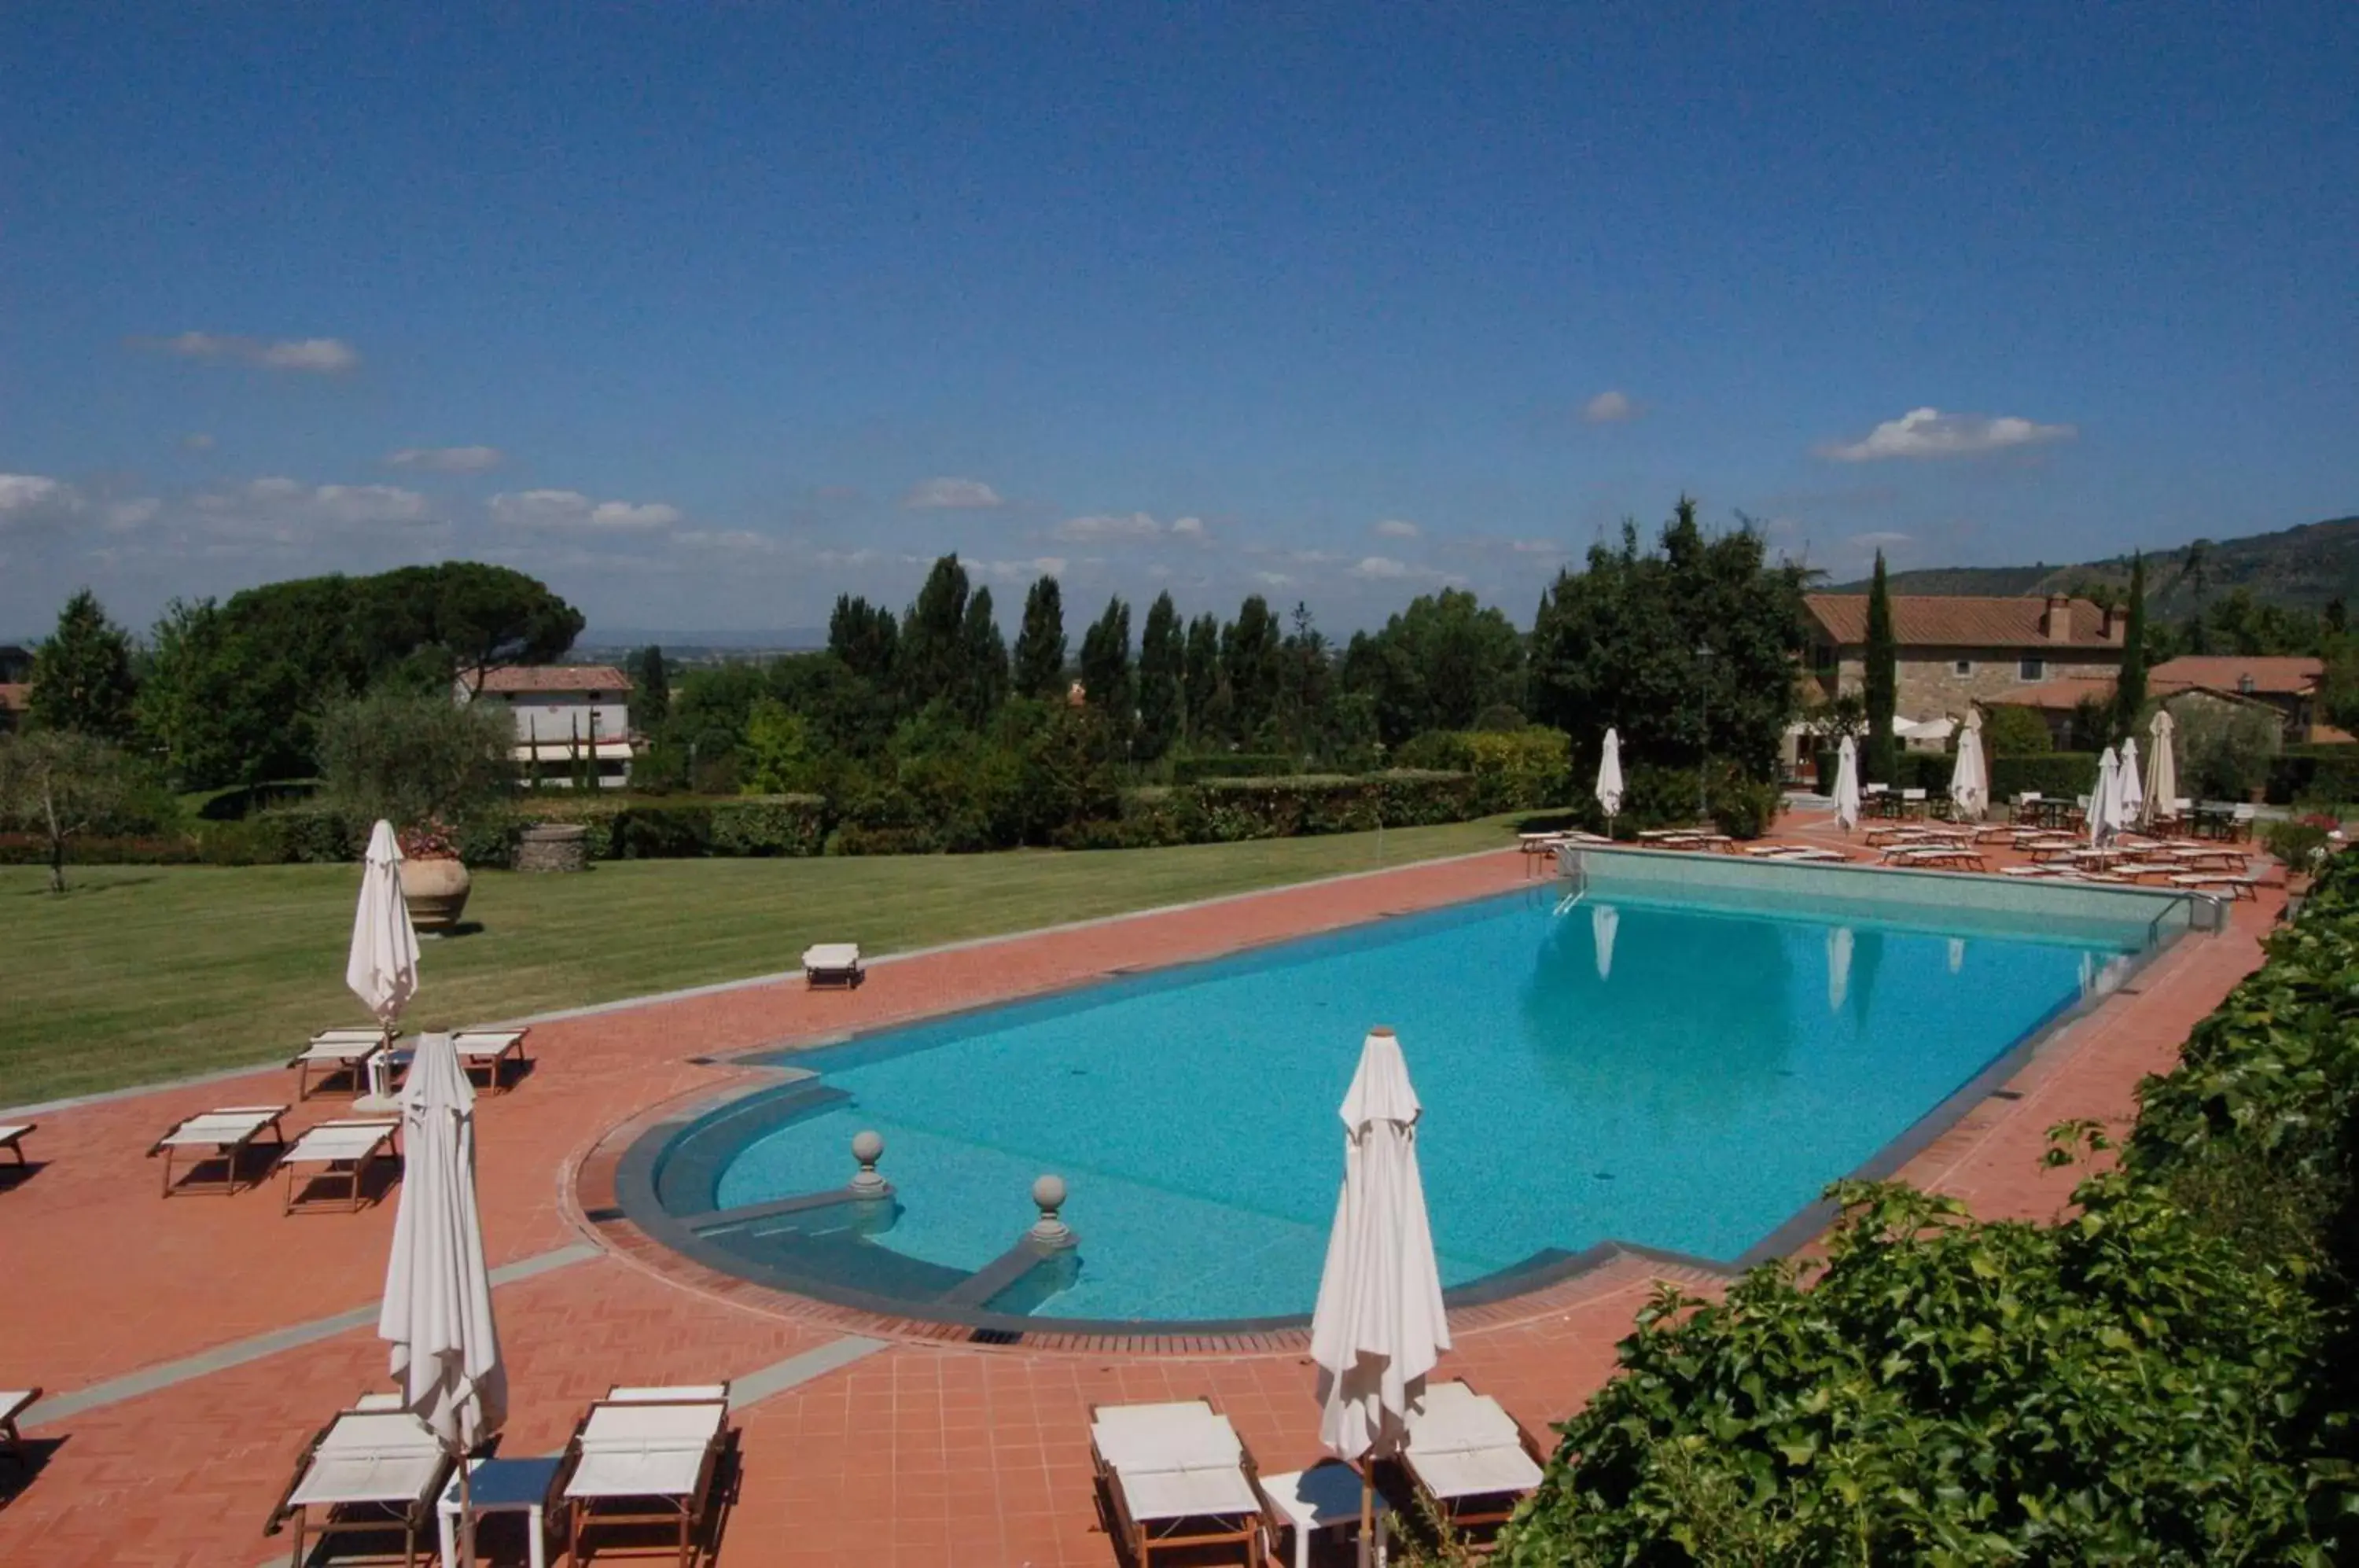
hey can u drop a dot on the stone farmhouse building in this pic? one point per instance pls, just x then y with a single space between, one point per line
1952 652
570 719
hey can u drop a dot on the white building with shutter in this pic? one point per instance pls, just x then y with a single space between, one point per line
570 719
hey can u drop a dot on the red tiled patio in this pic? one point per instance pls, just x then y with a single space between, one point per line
173 1433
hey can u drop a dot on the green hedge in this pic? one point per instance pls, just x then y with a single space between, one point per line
2313 773
2167 1375
1513 770
615 830
1231 765
2064 774
1229 810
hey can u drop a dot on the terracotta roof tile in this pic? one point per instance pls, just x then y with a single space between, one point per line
1932 620
2280 677
17 697
556 677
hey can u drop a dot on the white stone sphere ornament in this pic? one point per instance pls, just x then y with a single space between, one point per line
867 1148
1048 1194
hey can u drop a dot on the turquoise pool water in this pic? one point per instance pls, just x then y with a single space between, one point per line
1678 1076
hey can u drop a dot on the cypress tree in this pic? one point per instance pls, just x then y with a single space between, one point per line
81 676
933 648
1105 665
1040 643
1883 681
1250 659
865 638
650 691
982 673
1162 668
1203 712
2129 689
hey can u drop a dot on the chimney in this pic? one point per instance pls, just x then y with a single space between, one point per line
2057 624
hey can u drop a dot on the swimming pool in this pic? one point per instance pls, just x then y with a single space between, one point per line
1680 1073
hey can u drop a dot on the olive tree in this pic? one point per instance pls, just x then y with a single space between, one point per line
60 785
414 759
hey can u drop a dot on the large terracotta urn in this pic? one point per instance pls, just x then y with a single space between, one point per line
437 891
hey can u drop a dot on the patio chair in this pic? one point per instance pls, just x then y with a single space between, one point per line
367 1470
1469 1458
1174 1479
224 1135
14 1402
337 1151
490 1050
335 1050
646 1456
12 1138
833 964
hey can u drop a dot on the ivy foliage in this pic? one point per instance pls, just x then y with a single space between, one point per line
2165 1376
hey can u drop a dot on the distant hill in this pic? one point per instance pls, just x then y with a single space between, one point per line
2299 568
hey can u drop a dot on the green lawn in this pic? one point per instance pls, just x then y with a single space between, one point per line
140 973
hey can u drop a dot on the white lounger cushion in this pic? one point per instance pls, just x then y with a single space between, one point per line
1478 1472
332 1141
14 1130
485 1042
625 1394
1216 1491
1174 1460
644 1450
215 1129
349 1037
832 955
12 1401
372 1457
1465 1444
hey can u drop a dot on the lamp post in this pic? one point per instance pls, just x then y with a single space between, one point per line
1703 715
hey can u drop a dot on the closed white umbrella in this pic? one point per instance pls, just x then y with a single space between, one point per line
1846 790
381 968
2161 767
1604 920
1970 780
2133 793
438 1292
2105 799
1609 780
1379 1328
1839 941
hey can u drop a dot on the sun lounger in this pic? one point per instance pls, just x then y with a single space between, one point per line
646 1456
1469 1457
223 1135
366 1470
12 1138
337 1151
14 1402
334 1050
1175 1479
490 1050
2235 886
833 964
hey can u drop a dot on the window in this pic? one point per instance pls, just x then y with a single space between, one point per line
2031 669
1962 667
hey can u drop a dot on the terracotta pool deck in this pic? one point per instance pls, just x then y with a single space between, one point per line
191 1345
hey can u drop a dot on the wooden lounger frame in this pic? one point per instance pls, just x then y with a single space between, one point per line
1255 1535
15 1142
690 1514
368 1517
1479 1511
12 1441
232 1155
389 1144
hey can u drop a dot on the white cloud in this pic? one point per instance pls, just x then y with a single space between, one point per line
1929 432
1108 526
569 510
951 495
1609 409
136 513
287 508
1384 568
1396 527
1879 540
1190 529
1020 570
446 459
29 497
1273 579
198 442
320 357
740 541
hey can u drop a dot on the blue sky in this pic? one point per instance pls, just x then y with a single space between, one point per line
705 314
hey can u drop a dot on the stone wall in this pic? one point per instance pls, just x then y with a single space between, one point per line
1929 683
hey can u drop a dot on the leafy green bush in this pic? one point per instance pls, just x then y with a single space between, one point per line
2313 773
2016 731
1229 810
2057 774
770 825
414 759
1231 764
2300 845
2225 749
2168 1377
33 849
1743 807
312 834
1515 769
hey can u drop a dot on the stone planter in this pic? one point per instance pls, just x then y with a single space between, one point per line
553 846
437 891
